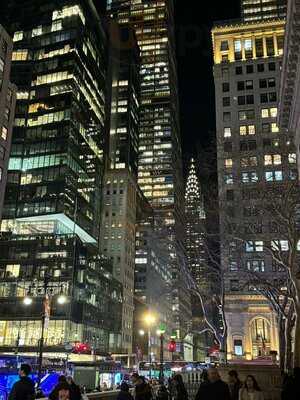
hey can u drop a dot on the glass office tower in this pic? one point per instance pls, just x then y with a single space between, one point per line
257 10
51 216
160 159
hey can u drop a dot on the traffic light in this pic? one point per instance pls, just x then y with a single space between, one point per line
81 348
172 346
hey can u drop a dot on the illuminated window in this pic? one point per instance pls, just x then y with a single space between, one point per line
280 245
273 112
256 265
227 132
20 55
248 48
68 11
243 130
18 36
254 246
238 346
37 31
292 158
13 270
228 163
251 129
273 176
228 178
249 177
272 159
274 127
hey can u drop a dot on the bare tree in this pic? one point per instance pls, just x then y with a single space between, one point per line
279 206
281 298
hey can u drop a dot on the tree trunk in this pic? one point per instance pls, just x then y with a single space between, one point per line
297 337
288 344
282 342
223 348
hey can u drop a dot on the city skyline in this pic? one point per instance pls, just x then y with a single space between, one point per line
149 183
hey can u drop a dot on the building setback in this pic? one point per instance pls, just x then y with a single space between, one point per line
7 108
51 218
257 10
160 159
253 154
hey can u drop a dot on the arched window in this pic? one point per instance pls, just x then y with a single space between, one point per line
260 335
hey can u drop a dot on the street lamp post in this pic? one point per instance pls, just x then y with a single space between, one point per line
149 352
45 316
161 360
41 341
161 332
150 321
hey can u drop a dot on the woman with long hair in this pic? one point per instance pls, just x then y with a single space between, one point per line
251 390
179 388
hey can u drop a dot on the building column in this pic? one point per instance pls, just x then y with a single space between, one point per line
247 336
264 46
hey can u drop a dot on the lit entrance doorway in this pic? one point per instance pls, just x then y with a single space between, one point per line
260 335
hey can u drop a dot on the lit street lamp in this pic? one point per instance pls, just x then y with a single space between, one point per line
27 301
149 321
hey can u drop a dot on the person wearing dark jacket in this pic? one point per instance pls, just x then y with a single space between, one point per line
201 394
291 387
162 393
234 384
142 388
75 392
216 389
179 388
124 393
24 388
62 386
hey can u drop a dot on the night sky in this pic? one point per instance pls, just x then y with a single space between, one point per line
195 67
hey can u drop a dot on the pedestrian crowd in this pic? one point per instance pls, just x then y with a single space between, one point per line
24 388
211 387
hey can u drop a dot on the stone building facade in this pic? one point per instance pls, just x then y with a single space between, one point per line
253 155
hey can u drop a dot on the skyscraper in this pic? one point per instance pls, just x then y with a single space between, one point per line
7 108
195 221
51 215
152 287
257 10
254 156
120 183
160 158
